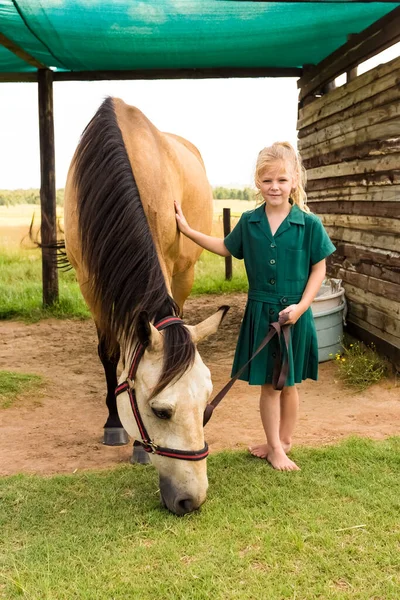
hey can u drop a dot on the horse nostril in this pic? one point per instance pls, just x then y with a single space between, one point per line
185 505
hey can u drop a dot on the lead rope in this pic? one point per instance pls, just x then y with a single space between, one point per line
281 368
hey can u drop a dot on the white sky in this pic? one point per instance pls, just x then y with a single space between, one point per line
229 120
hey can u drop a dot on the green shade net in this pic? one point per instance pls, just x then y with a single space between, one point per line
173 34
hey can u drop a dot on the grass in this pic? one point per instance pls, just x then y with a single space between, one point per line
330 531
21 289
15 385
210 276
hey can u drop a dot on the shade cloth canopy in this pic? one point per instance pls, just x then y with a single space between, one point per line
99 35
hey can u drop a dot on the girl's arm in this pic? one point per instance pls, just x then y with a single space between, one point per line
213 244
317 275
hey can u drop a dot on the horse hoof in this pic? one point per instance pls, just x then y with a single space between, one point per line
115 436
139 456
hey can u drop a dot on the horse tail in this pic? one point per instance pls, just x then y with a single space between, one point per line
60 256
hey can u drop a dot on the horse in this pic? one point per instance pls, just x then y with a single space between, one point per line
135 271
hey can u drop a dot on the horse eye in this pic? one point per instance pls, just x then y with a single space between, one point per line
162 414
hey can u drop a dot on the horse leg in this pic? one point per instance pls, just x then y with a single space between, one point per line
181 286
114 433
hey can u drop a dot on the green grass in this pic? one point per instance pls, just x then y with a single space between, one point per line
330 531
15 385
21 290
210 276
21 286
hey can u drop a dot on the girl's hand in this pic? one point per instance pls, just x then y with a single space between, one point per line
292 313
183 225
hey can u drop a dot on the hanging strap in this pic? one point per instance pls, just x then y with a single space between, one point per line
281 367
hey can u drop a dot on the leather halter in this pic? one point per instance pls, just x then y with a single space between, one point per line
128 386
281 370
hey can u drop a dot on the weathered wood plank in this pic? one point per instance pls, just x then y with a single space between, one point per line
336 262
355 109
386 112
351 140
356 167
370 209
364 238
184 73
365 223
368 84
374 317
375 195
393 340
359 254
387 289
377 319
375 140
364 180
356 294
380 35
369 334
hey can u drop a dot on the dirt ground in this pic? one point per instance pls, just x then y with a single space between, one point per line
60 429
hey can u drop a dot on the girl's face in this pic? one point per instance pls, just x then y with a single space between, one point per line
276 184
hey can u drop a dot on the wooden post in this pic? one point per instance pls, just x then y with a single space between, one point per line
351 73
48 228
227 229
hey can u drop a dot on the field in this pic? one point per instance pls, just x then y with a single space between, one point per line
78 522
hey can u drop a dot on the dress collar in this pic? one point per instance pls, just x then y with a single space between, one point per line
296 215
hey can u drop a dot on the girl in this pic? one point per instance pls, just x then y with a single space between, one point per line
284 247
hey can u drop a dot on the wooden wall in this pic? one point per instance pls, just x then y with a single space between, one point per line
350 143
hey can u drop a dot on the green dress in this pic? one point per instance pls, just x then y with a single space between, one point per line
278 267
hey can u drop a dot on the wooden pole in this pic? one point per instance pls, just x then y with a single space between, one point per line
351 73
227 229
48 228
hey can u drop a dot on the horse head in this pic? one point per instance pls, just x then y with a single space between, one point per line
171 419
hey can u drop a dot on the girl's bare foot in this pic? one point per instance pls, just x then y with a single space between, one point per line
278 460
259 451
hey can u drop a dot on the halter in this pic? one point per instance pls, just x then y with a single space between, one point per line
281 369
128 386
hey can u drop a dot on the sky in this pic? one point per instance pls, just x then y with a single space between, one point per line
229 120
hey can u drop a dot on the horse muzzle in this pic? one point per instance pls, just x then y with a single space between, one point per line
179 502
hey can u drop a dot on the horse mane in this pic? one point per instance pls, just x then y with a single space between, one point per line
125 275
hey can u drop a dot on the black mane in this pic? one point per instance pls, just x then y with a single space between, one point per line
117 246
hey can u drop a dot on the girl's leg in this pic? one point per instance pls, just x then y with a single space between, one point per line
270 410
289 411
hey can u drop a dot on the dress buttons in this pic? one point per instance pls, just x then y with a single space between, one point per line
272 261
271 311
272 281
284 300
274 355
273 246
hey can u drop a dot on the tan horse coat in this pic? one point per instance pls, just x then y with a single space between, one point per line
166 168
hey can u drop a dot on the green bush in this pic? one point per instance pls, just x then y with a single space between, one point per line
360 365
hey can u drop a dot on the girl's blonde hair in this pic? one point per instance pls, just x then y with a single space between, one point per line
285 153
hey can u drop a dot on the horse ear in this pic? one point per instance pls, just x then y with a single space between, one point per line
205 328
148 335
